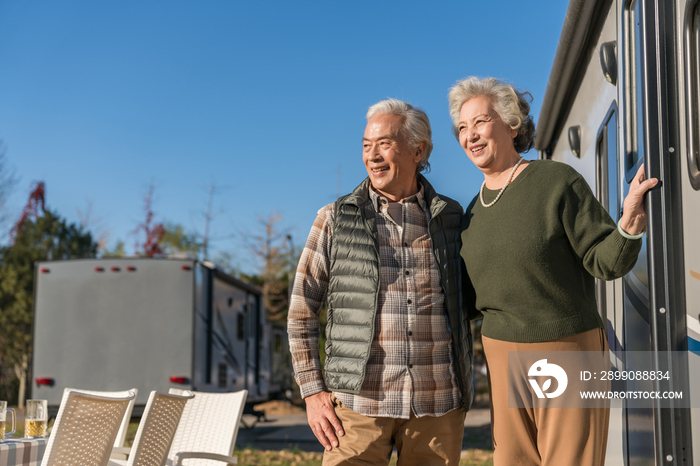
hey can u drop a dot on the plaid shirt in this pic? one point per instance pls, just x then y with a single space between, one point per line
411 362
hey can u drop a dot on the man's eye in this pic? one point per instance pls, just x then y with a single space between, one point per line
385 144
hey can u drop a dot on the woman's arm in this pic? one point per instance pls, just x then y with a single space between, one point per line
469 296
604 250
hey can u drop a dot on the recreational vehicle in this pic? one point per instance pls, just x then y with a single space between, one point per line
625 90
152 324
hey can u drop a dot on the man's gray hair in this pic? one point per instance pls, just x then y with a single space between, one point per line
512 106
415 127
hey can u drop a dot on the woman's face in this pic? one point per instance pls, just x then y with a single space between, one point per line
486 139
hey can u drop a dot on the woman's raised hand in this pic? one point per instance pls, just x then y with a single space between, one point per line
634 214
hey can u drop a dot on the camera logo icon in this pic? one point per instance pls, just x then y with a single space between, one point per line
543 369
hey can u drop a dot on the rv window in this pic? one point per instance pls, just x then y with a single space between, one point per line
635 97
607 163
240 326
606 183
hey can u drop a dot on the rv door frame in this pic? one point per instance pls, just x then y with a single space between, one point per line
664 211
691 52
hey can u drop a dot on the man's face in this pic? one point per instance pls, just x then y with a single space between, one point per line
391 164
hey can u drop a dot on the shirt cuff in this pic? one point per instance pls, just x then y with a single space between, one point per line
627 235
312 388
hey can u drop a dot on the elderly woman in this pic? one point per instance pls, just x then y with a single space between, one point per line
533 239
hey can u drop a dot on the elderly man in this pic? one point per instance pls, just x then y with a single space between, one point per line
398 348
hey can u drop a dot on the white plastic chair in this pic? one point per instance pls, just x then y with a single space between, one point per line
121 435
208 429
156 430
85 428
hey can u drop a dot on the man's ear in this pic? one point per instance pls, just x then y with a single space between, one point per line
420 150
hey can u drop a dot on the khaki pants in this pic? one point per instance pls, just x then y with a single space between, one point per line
544 436
420 441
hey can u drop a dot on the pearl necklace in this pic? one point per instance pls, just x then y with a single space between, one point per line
481 191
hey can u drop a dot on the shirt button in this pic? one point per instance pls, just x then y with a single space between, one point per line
407 272
409 301
410 333
410 366
405 244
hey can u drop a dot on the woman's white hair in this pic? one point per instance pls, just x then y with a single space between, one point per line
415 127
511 105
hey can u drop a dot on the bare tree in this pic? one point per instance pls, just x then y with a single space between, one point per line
209 216
95 225
272 245
8 181
153 232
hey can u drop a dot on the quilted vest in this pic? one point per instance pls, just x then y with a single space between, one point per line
354 287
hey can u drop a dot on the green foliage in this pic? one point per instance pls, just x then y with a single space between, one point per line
9 386
257 280
226 261
273 247
177 240
119 250
46 238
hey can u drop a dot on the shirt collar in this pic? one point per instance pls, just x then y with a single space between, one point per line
378 199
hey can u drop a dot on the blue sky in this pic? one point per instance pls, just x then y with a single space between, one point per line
264 99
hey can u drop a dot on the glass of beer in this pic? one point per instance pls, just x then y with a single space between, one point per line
35 418
3 413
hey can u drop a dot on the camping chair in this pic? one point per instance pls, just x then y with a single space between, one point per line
121 435
208 429
85 428
156 430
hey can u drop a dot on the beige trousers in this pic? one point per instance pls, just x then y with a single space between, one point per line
544 436
424 441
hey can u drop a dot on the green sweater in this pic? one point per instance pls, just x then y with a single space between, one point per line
532 257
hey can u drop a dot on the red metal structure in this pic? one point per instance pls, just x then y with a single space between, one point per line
154 233
31 210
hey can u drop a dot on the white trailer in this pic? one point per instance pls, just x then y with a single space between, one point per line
110 324
625 90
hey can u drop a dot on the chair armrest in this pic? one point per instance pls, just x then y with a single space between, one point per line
183 455
118 456
116 462
121 450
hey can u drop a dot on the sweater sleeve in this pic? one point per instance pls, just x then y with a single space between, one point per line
593 236
468 291
469 296
308 295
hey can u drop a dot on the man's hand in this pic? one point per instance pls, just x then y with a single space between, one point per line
322 419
